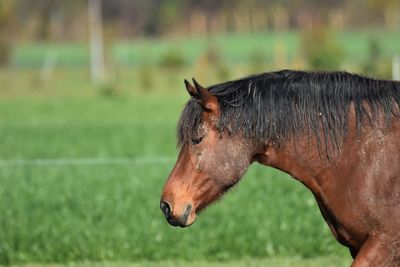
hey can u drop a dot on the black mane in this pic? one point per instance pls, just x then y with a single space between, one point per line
276 105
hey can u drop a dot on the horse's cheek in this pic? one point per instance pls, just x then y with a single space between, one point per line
228 162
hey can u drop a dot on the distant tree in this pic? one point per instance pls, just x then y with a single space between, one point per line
43 14
7 11
50 19
384 4
389 10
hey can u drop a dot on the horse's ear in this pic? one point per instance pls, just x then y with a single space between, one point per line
207 100
191 89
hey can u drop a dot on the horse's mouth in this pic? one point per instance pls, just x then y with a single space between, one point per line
183 222
187 219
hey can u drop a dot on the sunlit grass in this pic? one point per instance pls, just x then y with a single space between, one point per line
271 262
111 212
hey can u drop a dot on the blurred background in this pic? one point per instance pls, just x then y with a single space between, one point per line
90 93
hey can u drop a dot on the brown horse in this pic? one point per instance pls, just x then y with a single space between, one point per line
337 133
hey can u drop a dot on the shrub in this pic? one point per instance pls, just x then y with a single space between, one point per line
145 77
173 59
376 64
215 60
257 60
321 50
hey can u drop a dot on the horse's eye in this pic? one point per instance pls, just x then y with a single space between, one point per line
196 141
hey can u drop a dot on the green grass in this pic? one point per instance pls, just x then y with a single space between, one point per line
271 262
233 48
111 212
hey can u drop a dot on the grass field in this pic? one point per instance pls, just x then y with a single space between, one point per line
105 152
270 262
64 213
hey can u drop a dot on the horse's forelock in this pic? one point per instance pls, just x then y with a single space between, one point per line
189 121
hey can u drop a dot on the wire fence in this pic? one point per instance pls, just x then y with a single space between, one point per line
86 161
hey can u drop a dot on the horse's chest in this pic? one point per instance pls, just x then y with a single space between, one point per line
343 221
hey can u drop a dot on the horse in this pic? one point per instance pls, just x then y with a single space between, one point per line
337 133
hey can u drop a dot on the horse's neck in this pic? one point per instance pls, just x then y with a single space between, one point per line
313 160
304 162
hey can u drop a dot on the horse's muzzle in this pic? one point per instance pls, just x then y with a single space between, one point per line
175 220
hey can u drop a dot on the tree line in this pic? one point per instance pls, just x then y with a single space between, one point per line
66 19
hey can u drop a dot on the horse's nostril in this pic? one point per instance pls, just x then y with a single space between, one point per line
166 209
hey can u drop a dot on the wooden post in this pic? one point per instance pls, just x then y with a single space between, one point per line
49 64
96 41
396 68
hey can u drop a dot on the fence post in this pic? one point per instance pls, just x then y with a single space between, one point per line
96 41
396 68
49 63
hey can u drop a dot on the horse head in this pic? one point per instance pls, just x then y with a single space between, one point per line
211 160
